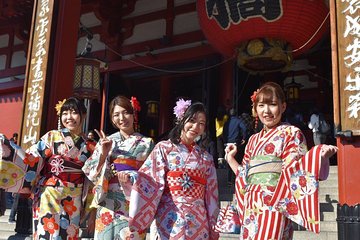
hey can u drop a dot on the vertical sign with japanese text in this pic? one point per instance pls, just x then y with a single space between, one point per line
36 69
348 38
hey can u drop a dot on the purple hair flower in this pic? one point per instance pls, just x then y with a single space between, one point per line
180 108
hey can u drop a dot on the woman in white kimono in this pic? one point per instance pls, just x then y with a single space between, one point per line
113 169
51 171
277 181
177 184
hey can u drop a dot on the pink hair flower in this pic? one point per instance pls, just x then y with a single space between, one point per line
180 108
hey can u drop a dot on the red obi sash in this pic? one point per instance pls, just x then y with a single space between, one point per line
186 182
62 168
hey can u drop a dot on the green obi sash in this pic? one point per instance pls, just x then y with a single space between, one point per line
264 170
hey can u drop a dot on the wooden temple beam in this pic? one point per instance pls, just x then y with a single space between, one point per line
163 58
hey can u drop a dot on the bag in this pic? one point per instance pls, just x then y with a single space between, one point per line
324 127
228 220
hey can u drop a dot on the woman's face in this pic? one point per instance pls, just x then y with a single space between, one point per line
270 113
72 121
193 128
123 120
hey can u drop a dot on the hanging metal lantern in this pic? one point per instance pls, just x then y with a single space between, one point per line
152 108
87 78
293 91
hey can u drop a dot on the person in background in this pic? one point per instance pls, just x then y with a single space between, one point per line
54 175
314 125
221 118
235 132
113 169
14 138
177 184
91 136
278 178
2 202
14 196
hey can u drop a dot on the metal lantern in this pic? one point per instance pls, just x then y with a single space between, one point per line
152 108
87 78
293 90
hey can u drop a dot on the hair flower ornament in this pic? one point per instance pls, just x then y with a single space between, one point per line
180 108
253 97
59 105
135 104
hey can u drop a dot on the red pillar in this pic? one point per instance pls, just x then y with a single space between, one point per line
63 60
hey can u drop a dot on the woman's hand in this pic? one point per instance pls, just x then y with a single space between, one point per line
230 151
327 151
105 143
123 177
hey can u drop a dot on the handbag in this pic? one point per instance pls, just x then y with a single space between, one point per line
228 220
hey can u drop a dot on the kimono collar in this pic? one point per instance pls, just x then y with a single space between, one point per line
78 141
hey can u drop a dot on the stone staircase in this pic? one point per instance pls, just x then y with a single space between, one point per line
328 203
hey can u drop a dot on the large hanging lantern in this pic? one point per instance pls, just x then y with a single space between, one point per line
87 78
263 35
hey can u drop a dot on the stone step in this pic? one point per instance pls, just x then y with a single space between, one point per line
302 235
329 183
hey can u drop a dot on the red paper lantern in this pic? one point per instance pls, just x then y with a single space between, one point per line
233 24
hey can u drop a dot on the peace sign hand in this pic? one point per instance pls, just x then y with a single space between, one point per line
105 143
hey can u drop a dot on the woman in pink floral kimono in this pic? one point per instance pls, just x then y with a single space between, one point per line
113 169
177 185
51 171
278 179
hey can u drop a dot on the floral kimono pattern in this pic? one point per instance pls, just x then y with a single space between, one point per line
178 188
111 198
270 199
54 173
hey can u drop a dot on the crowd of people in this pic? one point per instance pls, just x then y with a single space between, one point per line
124 186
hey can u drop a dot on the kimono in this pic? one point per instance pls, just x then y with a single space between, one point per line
178 187
52 169
111 198
278 183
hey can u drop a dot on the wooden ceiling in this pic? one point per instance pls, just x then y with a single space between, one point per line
117 22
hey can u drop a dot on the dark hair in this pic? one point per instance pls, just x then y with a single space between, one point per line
267 92
194 108
75 104
121 101
15 135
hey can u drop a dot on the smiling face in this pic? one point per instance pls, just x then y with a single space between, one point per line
193 127
72 120
123 120
270 111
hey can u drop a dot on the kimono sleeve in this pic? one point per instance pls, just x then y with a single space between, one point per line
21 169
91 164
211 200
147 190
296 195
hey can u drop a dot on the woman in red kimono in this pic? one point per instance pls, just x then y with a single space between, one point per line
177 184
278 179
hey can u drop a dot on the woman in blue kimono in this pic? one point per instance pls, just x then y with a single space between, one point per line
113 169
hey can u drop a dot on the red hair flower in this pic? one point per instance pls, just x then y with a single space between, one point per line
135 104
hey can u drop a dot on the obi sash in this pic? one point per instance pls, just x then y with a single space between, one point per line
186 182
264 170
122 164
63 168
